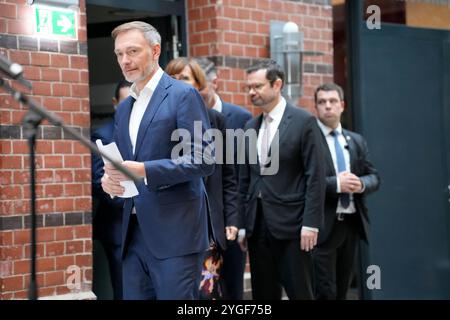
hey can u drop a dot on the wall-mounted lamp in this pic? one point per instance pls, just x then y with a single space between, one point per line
286 48
55 3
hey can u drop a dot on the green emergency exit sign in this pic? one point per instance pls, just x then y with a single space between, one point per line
55 22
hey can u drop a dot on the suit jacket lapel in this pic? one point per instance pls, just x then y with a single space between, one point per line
329 158
284 124
155 102
125 134
351 149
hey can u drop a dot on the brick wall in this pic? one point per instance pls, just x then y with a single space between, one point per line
236 32
58 70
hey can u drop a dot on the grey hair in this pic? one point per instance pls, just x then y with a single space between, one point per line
208 67
150 33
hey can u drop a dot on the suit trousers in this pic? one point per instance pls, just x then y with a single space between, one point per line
275 263
334 260
233 271
146 277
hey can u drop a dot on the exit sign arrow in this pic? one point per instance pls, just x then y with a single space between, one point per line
56 22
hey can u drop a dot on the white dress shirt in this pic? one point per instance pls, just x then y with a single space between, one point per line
140 105
218 104
343 142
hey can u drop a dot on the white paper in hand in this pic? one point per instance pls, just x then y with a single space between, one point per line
113 152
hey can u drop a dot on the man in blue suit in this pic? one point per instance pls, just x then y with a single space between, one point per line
236 118
165 227
107 217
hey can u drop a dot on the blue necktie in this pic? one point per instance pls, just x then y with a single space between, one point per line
345 197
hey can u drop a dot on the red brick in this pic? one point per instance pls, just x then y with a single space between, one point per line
42 89
2 30
74 247
59 61
45 264
64 233
70 76
21 237
11 192
53 191
5 147
5 117
45 205
77 62
50 74
14 283
81 120
63 262
40 59
63 147
61 89
78 148
64 205
11 253
72 161
22 207
82 175
20 27
71 104
80 90
11 162
46 292
53 161
83 204
83 260
54 249
6 238
54 278
22 266
63 176
84 231
44 176
32 73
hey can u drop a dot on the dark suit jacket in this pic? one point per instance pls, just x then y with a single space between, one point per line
294 196
221 187
361 166
236 117
107 215
171 208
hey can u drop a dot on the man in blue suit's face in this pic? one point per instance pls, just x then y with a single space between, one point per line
137 58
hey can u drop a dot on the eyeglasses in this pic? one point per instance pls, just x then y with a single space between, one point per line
255 86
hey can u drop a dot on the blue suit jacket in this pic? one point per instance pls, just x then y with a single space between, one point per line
171 208
107 215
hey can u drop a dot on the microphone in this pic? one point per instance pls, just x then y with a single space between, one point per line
13 70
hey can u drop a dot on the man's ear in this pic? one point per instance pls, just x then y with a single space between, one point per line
156 51
215 84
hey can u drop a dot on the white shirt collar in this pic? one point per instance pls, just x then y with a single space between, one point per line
277 112
218 104
326 130
151 84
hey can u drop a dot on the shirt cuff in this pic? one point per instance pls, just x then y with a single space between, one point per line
338 185
310 229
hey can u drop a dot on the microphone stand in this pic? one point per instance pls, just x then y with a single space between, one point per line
31 121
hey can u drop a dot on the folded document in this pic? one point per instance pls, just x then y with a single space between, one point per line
113 152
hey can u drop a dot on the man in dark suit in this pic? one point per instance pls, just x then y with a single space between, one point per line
236 118
281 194
107 215
350 176
165 227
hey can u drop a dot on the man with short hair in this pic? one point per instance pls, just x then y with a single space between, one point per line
165 227
283 207
349 177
